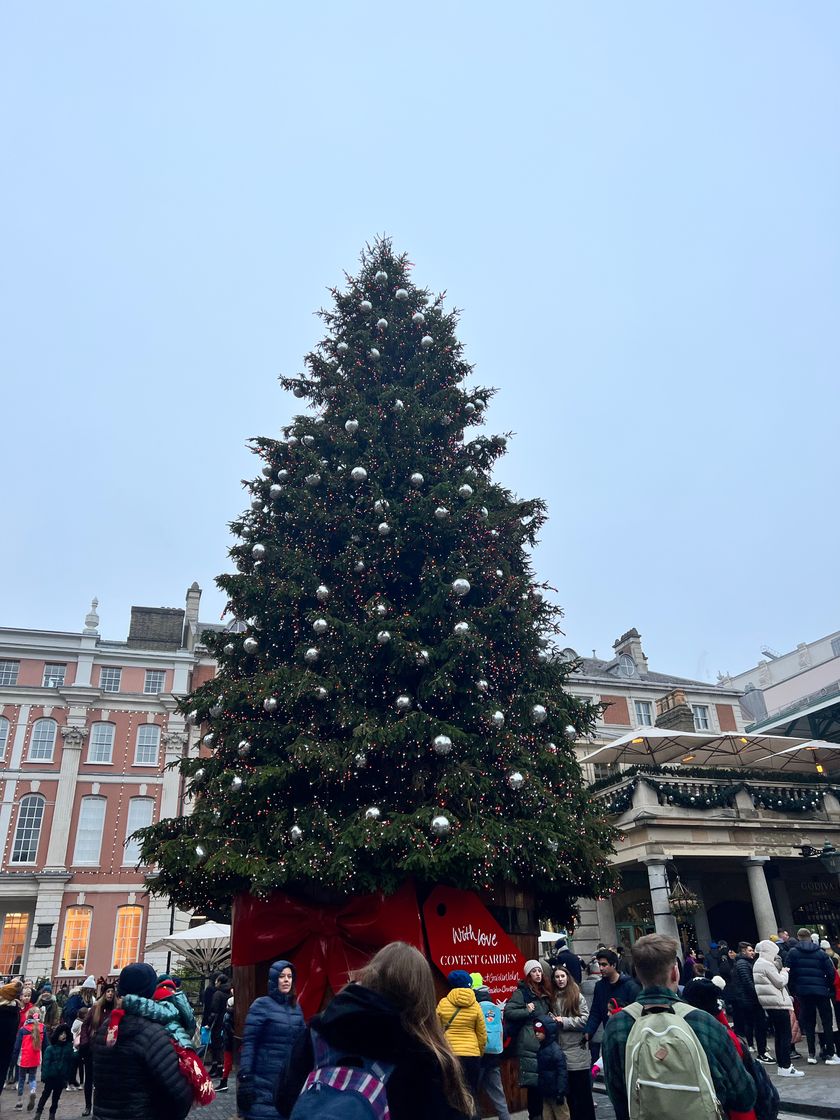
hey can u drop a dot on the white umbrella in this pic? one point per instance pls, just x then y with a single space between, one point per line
814 756
545 935
658 746
205 947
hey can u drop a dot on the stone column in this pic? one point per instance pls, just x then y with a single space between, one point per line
606 921
587 936
41 960
663 920
784 911
174 746
765 917
71 755
701 918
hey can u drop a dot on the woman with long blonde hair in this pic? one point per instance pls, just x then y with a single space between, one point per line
570 1013
388 1013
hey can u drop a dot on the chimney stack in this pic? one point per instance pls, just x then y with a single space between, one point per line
191 616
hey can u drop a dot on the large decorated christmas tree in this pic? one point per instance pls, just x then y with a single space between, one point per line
392 707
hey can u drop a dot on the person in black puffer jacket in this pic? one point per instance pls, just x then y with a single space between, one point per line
747 1013
216 1022
136 1073
389 1015
812 982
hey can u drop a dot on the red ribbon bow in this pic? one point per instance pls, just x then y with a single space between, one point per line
324 943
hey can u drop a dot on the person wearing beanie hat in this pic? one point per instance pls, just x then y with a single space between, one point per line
529 1003
273 1026
563 957
477 980
463 1024
89 985
138 1072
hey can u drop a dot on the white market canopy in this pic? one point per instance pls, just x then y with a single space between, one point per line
205 947
658 746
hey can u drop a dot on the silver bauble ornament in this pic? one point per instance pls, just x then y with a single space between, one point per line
382 505
321 693
383 637
236 782
381 277
399 405
494 532
516 780
322 593
469 408
193 716
417 480
441 825
275 491
200 774
418 317
482 685
465 491
403 703
266 470
228 649
299 391
461 587
441 744
312 479
461 629
374 353
358 474
209 739
359 566
484 513
383 528
200 852
372 814
380 610
401 294
217 708
320 626
422 657
426 341
552 845
342 347
351 427
256 503
498 719
308 440
258 551
283 476
537 595
250 645
295 834
270 704
538 713
552 748
312 654
243 748
382 324
247 531
366 305
360 761
441 513
571 732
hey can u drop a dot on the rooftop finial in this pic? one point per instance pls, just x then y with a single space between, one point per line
92 618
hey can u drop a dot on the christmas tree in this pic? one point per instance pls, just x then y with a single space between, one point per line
392 707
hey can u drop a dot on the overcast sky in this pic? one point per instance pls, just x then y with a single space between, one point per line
636 205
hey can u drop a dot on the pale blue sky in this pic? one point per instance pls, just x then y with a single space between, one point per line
636 204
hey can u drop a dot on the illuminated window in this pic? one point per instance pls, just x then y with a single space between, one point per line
12 943
42 743
28 831
74 947
127 936
148 745
4 735
110 679
101 743
140 813
89 830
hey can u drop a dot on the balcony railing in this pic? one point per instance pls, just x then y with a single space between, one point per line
702 790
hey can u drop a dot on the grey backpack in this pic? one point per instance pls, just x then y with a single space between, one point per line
666 1069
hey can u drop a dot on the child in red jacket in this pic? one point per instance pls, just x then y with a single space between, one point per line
28 1047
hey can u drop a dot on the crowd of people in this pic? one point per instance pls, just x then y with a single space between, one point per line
653 1023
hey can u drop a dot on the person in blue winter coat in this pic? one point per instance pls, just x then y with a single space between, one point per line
552 1070
272 1027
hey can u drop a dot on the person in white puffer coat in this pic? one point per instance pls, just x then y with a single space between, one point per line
771 981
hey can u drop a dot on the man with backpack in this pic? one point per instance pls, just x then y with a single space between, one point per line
663 1058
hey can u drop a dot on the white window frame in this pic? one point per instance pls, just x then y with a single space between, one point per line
640 720
5 728
105 669
87 849
9 672
29 801
137 745
131 848
81 969
93 745
148 685
695 710
55 674
40 757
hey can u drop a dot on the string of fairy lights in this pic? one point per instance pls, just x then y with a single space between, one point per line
389 707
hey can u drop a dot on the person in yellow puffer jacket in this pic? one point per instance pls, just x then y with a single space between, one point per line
463 1024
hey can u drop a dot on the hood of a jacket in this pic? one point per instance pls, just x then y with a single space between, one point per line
767 950
460 997
158 1011
359 1017
274 976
